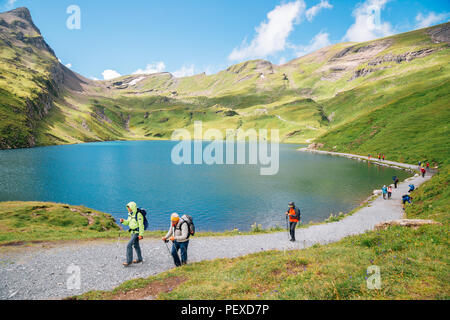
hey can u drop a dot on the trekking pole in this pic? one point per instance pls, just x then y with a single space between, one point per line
168 250
170 254
118 240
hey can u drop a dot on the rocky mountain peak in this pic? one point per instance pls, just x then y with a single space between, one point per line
23 13
19 20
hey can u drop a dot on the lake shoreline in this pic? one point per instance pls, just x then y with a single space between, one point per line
385 163
129 140
153 234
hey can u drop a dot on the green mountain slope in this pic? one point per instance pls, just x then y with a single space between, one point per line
388 95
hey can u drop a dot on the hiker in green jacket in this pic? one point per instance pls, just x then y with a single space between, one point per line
136 223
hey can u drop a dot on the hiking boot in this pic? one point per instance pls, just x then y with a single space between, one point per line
125 264
137 261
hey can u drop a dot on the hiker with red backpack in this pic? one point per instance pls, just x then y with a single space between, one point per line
180 231
137 223
423 172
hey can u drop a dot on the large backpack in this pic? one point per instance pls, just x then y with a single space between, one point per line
144 214
190 221
298 214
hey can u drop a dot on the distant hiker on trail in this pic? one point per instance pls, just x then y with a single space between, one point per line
179 235
411 188
369 156
384 191
294 217
423 170
428 166
389 191
395 178
406 198
379 156
135 222
384 157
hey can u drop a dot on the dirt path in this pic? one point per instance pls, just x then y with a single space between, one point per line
34 273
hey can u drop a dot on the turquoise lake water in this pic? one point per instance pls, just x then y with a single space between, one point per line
106 176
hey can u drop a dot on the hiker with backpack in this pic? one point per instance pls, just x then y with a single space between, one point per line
405 199
384 190
180 231
423 171
137 223
395 178
389 191
294 217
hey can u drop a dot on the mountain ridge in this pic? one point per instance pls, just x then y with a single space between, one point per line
45 103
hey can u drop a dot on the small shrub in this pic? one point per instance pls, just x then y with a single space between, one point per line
256 228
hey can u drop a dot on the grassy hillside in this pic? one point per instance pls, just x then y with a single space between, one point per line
409 120
25 79
313 97
22 222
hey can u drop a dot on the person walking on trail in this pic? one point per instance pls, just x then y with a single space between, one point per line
428 166
389 191
405 198
294 217
179 235
395 178
384 191
135 222
384 157
423 172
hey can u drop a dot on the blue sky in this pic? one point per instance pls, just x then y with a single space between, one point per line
190 37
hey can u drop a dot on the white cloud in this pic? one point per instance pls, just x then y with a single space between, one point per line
424 21
110 74
69 65
10 4
184 72
271 35
152 68
313 11
319 41
368 24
